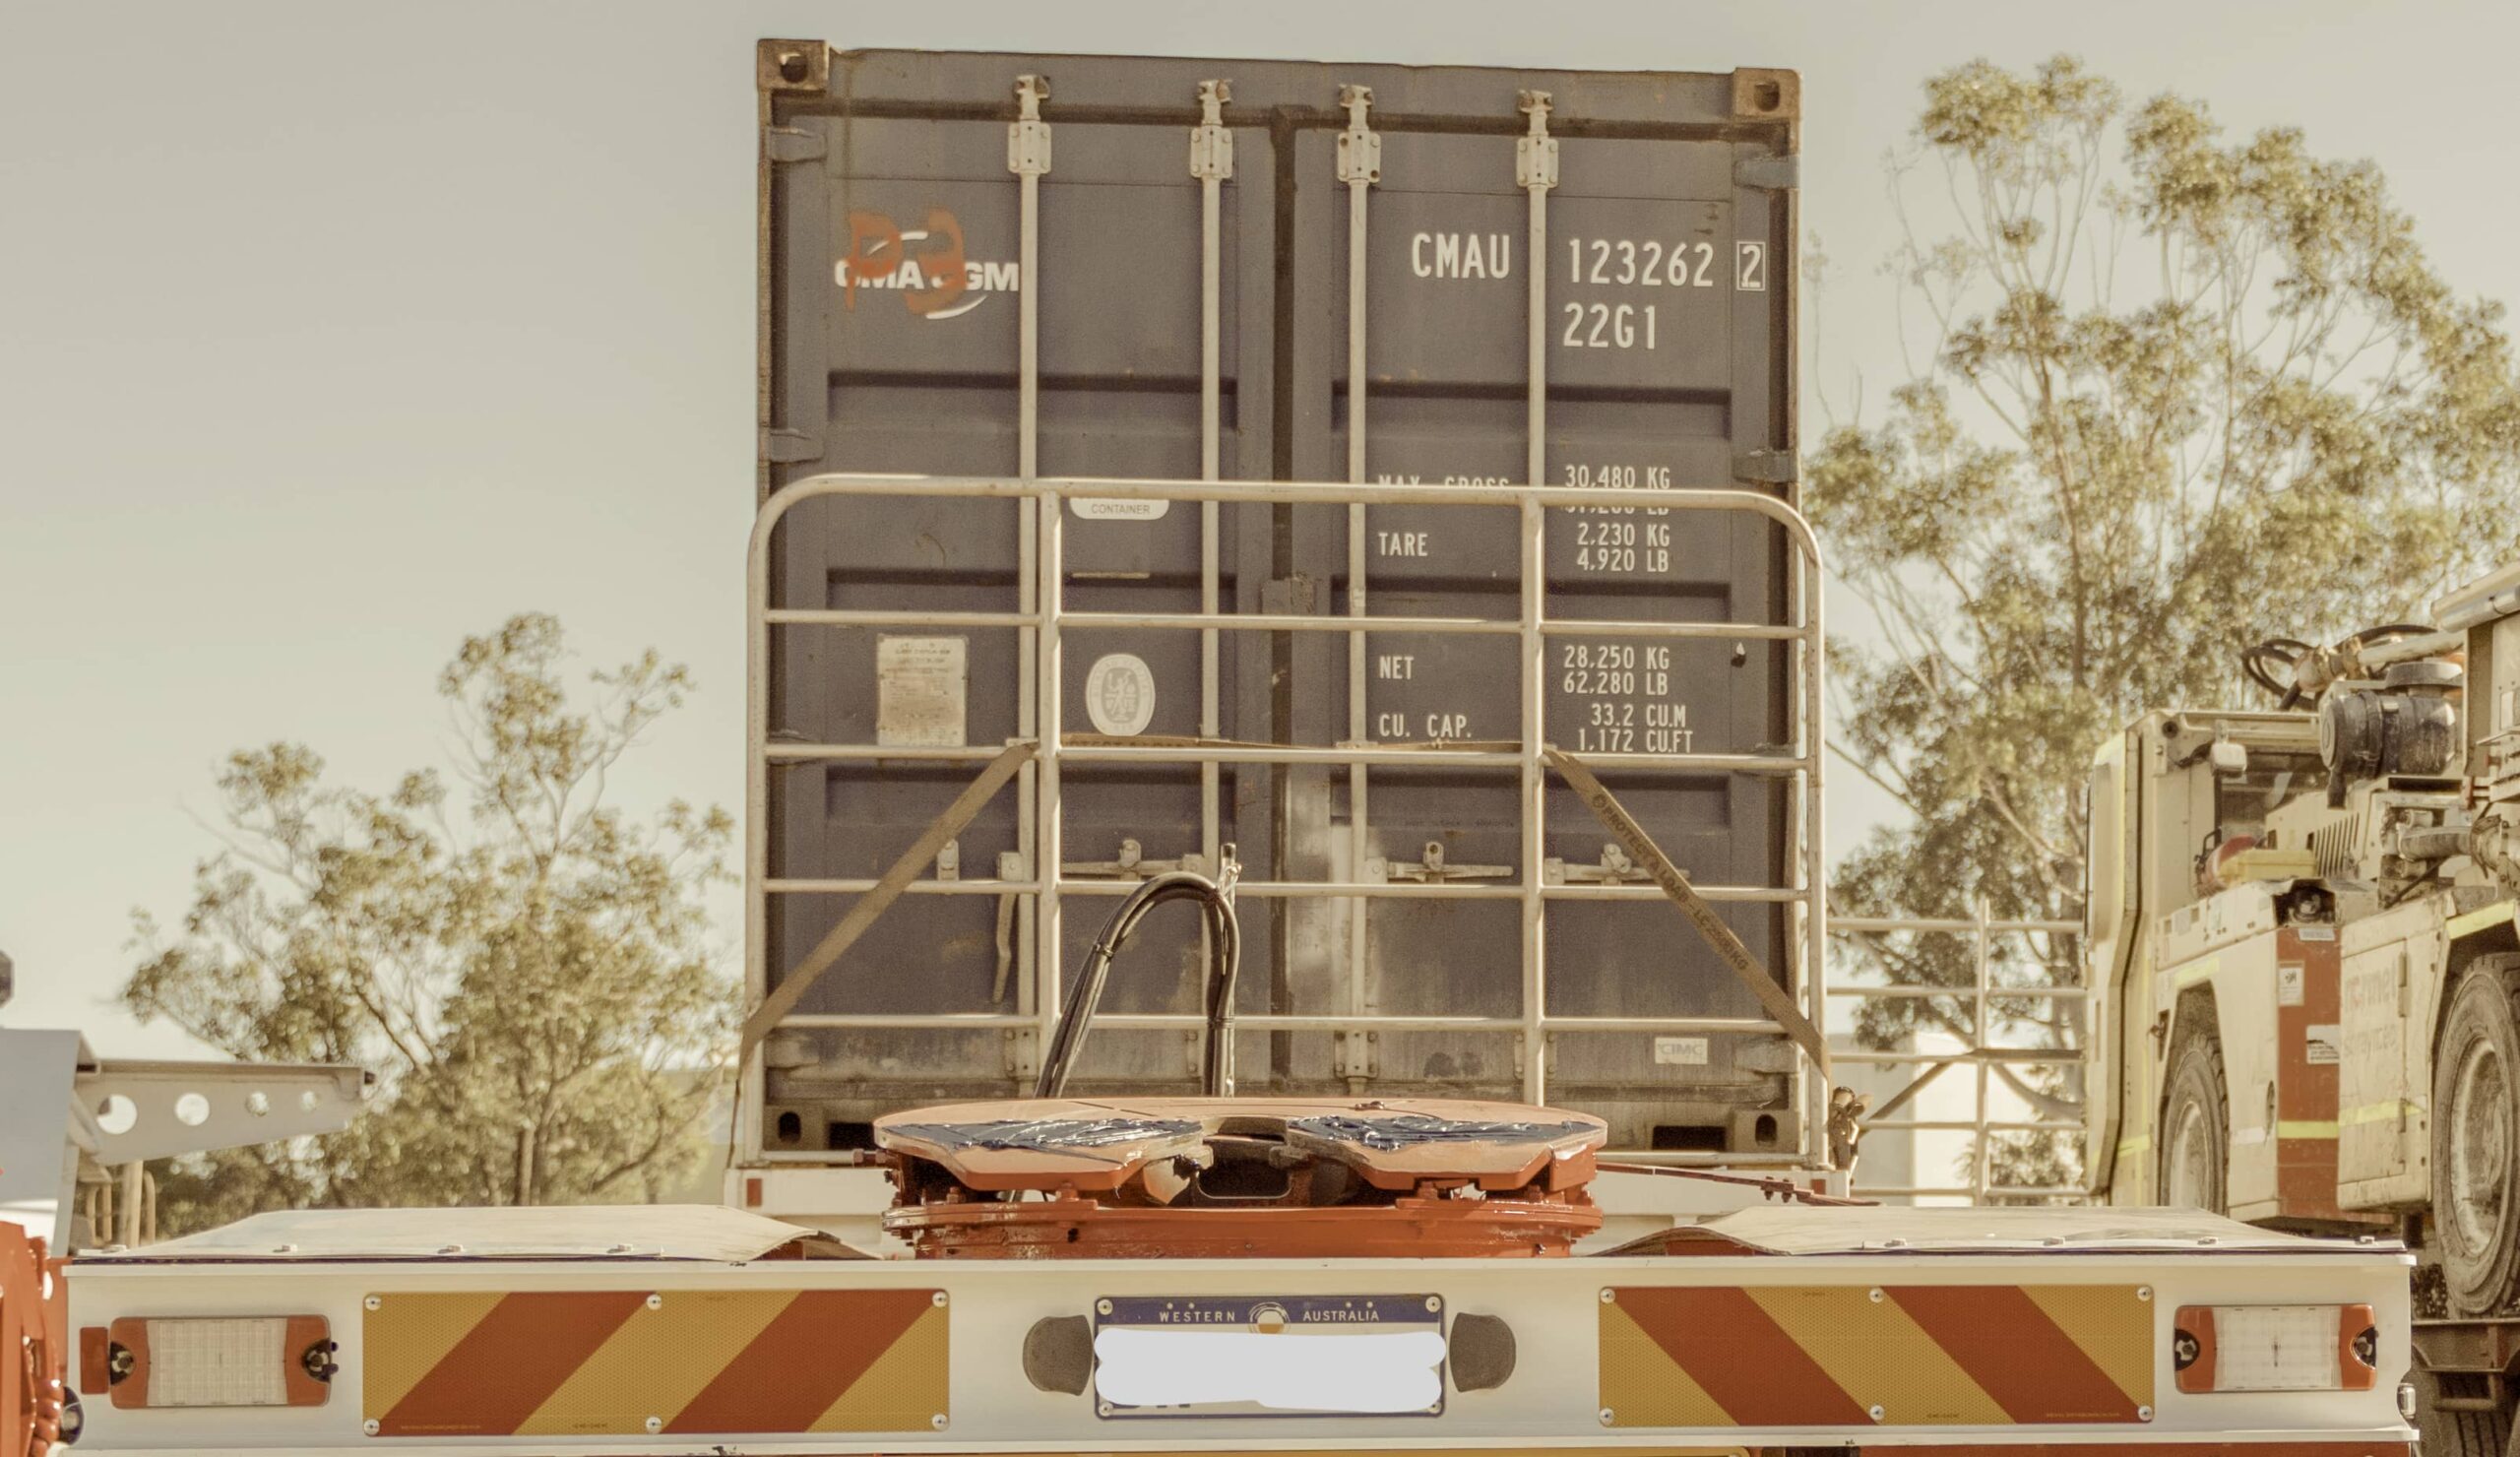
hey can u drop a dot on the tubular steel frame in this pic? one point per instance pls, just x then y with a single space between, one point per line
1039 626
1980 1057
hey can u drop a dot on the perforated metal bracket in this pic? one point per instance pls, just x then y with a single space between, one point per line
1211 144
161 1109
1028 137
1359 147
1536 151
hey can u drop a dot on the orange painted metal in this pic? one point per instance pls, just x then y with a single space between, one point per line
2306 1091
34 1347
1407 1228
2170 1449
2196 1324
95 1361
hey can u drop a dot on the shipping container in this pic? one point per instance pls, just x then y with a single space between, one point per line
1009 267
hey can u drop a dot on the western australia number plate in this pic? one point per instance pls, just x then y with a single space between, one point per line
1269 1355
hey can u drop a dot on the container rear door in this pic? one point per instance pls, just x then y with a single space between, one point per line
892 296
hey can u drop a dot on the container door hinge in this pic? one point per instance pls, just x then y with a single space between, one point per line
1430 868
790 447
792 143
1133 864
1614 868
1767 467
1535 151
1028 137
1768 170
1359 145
1211 144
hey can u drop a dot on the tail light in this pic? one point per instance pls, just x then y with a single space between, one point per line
272 1361
2276 1348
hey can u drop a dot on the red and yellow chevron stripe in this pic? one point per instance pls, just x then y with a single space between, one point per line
607 1362
1858 1355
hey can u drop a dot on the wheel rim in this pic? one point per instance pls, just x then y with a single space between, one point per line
2191 1167
2480 1116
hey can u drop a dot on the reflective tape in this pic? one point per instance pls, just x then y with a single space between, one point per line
1858 1355
2377 1112
609 1363
2477 921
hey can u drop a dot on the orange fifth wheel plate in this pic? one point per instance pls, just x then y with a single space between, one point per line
606 1362
1860 1356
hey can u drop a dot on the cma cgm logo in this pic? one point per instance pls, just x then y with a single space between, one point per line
927 266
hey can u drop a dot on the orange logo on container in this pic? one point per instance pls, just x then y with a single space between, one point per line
934 279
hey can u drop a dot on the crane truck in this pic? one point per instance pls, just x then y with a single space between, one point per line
1355 504
2302 930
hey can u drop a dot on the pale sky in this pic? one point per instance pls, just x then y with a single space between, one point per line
331 333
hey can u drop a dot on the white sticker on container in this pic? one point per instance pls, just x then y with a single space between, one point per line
1109 508
2288 984
1680 1051
1119 694
2325 1041
919 691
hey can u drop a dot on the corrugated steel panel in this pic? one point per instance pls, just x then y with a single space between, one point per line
891 295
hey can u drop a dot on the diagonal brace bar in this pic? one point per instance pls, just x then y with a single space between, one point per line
1728 949
965 806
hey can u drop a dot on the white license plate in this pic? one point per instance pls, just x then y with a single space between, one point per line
1269 1355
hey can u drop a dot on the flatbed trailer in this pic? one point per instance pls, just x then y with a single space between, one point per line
711 1331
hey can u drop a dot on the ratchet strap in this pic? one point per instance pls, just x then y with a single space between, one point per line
959 814
1728 949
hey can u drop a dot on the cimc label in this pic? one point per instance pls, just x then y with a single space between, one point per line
927 266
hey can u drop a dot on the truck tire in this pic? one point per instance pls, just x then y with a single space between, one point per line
2467 1434
2195 1132
2476 1172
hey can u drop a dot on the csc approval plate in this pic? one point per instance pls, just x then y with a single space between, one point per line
1269 1355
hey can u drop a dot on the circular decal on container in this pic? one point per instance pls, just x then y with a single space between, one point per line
1119 694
